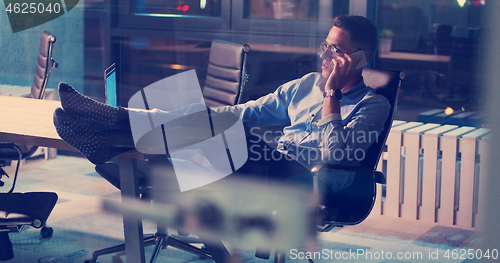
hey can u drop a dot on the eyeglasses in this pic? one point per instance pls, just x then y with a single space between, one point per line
323 47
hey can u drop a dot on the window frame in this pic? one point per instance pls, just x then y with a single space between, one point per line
127 19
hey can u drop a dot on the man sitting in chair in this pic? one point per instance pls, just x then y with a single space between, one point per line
332 116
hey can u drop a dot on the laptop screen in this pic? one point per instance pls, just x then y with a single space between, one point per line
110 85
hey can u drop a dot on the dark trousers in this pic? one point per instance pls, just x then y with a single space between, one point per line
264 163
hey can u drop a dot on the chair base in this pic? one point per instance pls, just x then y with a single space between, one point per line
161 241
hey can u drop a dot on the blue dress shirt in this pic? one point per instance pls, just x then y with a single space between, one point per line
311 139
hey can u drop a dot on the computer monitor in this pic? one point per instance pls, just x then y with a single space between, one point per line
110 86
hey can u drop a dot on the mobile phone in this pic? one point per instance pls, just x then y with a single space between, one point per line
362 63
110 85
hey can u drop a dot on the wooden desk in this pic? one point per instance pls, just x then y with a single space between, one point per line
30 122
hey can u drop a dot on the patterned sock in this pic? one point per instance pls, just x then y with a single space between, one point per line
84 107
91 138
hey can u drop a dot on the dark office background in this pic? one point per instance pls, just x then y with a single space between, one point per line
149 44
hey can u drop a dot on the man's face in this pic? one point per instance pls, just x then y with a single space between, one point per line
342 40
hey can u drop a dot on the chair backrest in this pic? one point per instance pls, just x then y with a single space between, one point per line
226 73
43 67
386 82
350 206
45 63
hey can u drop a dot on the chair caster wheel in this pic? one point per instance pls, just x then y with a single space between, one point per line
46 231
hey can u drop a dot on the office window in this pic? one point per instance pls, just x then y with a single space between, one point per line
314 10
436 43
282 9
207 8
193 14
296 17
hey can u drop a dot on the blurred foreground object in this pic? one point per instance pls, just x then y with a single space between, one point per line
243 213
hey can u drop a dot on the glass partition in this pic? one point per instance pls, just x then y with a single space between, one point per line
287 16
146 60
155 39
436 43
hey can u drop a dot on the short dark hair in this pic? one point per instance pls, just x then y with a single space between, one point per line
362 31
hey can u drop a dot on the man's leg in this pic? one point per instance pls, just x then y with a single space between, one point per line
265 161
81 106
110 172
96 141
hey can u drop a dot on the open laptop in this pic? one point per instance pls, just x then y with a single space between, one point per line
110 86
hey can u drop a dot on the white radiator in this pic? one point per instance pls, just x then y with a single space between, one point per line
434 173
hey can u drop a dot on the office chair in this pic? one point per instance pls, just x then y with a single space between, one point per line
226 77
352 205
226 74
21 209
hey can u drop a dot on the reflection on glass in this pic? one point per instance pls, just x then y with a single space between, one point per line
314 10
153 59
179 8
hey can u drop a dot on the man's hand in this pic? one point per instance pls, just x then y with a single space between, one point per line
342 67
342 70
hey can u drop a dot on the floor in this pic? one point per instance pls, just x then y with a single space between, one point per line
80 227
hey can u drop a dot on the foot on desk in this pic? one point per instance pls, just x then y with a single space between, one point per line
84 107
92 139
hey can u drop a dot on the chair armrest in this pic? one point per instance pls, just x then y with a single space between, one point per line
24 151
8 156
378 176
7 145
